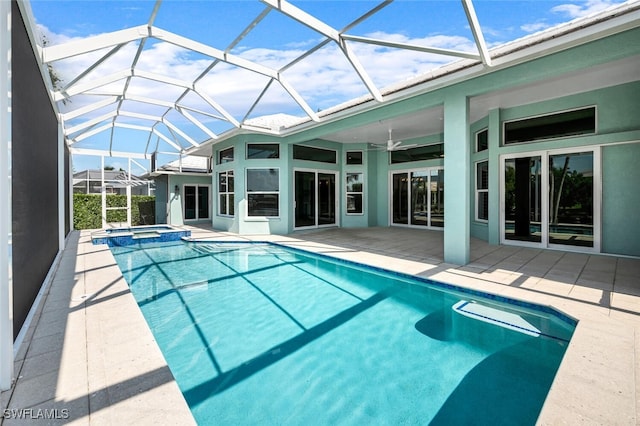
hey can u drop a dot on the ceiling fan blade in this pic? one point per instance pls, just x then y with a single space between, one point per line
403 147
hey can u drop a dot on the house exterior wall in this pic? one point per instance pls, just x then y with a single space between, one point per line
617 123
175 201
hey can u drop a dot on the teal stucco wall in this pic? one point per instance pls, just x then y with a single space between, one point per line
621 199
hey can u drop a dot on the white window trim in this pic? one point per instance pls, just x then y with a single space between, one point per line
225 193
478 191
346 193
335 151
246 193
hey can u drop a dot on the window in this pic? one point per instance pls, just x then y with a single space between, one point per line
561 124
309 153
225 155
196 202
429 152
263 192
482 190
482 140
225 194
354 193
354 157
262 150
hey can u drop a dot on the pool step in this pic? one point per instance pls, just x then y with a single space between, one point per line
496 317
142 235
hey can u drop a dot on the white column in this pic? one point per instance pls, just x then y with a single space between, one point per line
494 176
103 194
6 278
457 185
61 176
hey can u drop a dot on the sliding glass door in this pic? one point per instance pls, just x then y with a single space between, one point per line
196 202
549 199
315 198
417 198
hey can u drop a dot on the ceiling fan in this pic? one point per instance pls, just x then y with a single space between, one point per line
392 145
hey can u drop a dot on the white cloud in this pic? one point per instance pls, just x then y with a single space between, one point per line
580 9
536 26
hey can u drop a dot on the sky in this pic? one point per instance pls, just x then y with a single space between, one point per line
324 78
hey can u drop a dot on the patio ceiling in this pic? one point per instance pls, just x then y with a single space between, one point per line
146 107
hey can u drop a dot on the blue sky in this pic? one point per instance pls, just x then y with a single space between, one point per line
277 40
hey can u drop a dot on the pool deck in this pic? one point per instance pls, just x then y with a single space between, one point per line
88 356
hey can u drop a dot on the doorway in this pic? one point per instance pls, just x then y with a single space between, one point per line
417 198
315 198
550 199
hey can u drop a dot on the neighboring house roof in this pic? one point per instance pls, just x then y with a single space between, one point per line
113 177
186 164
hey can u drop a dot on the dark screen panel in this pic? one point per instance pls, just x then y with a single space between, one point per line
34 174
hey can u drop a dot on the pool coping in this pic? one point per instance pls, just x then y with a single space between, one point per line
597 381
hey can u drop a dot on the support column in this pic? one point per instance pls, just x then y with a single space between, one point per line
6 275
457 186
494 176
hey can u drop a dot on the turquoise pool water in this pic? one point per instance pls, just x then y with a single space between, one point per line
260 334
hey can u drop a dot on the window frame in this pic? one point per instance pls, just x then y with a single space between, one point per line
347 193
479 191
249 216
227 194
219 156
246 154
293 154
548 114
477 134
346 157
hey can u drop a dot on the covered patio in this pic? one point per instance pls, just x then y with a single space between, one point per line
90 352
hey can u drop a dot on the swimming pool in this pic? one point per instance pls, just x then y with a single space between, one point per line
262 334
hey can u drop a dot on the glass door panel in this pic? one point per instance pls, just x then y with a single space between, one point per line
400 191
203 202
305 199
326 198
571 199
522 199
190 202
419 198
436 189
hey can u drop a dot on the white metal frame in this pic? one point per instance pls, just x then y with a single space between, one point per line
159 126
6 271
544 209
390 192
336 201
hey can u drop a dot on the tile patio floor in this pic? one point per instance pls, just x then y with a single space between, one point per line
89 357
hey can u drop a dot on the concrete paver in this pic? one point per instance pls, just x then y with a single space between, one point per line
90 352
